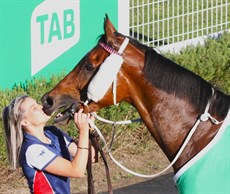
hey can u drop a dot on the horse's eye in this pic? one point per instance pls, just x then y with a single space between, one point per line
89 67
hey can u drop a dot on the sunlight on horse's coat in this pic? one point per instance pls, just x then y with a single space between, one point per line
168 97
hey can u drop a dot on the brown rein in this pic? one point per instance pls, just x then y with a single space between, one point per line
94 141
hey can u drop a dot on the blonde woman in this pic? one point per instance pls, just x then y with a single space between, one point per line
47 155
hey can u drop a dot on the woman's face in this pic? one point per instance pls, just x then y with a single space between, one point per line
33 113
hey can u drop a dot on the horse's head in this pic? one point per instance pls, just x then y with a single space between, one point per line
72 90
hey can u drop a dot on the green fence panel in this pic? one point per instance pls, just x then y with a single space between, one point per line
41 38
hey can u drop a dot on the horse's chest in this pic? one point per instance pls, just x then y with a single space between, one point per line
208 171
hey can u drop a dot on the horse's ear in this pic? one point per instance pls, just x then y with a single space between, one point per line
110 31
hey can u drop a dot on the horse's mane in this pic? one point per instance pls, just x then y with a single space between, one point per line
172 78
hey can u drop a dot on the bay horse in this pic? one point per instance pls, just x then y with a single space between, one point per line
168 97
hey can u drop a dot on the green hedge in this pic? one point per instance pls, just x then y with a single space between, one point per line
211 61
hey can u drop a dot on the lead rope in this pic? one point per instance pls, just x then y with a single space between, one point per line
91 189
93 137
204 117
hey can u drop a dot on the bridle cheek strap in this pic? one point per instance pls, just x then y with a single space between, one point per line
120 51
105 76
107 73
123 46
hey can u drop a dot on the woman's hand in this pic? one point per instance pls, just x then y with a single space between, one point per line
76 167
82 121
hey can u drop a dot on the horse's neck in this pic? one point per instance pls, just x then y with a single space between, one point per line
169 119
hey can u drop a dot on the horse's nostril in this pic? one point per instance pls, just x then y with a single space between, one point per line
47 102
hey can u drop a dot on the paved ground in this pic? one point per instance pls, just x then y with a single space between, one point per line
161 185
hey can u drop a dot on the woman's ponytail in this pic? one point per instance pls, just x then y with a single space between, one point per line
12 116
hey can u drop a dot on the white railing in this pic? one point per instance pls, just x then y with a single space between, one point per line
172 24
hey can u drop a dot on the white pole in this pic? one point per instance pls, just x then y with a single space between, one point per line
123 17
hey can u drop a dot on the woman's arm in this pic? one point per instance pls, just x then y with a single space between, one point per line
73 150
76 167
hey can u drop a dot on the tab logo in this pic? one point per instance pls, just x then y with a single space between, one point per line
55 28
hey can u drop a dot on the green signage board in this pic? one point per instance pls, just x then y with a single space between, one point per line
44 37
